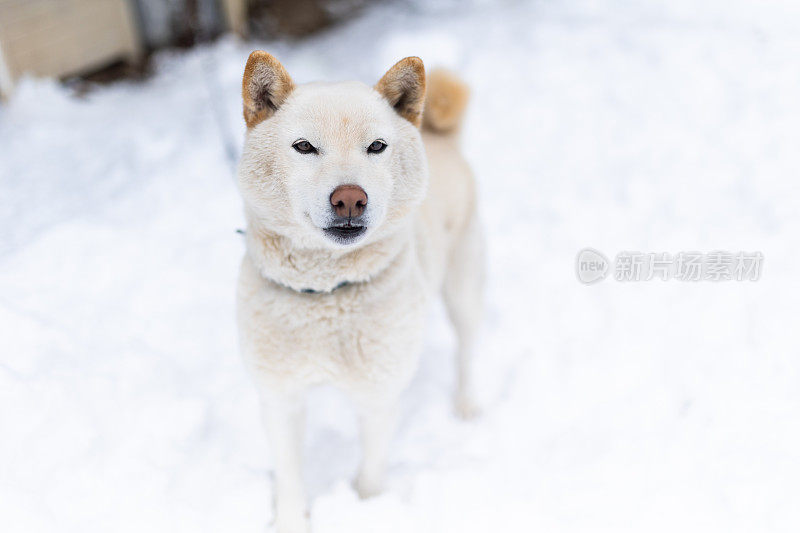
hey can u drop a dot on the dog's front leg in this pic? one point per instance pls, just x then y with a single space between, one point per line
284 418
377 418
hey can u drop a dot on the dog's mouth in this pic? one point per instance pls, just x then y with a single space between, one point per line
345 233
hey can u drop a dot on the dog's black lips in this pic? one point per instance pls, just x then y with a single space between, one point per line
346 233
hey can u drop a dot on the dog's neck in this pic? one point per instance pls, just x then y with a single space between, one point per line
317 270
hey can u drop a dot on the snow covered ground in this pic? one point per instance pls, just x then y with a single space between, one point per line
650 406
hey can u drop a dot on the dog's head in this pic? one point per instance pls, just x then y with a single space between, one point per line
332 165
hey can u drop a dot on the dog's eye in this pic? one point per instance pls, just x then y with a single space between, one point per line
304 147
376 147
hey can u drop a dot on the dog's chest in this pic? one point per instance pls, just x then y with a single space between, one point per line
360 335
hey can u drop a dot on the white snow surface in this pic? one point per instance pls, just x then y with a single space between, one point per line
651 406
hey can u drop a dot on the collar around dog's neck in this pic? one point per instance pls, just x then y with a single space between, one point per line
309 290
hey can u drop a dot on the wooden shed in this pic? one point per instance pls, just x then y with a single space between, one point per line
60 37
57 38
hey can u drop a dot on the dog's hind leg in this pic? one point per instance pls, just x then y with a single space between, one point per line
284 418
463 298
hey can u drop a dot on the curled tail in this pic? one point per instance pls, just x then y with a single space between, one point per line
445 102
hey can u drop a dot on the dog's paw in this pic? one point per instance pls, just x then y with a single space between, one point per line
465 407
291 519
291 524
366 488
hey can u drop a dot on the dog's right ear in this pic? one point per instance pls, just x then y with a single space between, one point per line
265 86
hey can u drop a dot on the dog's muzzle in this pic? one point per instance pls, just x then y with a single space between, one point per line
348 203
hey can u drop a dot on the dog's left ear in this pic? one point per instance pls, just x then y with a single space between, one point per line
265 86
404 87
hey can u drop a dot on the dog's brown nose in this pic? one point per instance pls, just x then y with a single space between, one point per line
349 201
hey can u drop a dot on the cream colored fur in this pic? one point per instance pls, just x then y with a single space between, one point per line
423 239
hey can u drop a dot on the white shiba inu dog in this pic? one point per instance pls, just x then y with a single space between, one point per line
356 219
